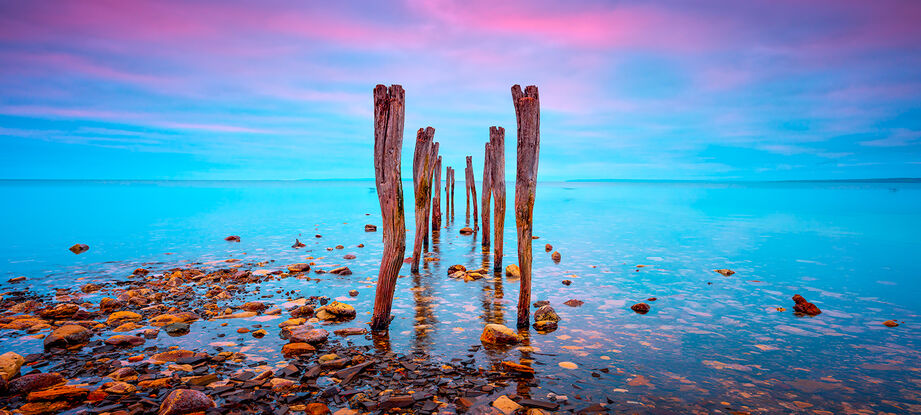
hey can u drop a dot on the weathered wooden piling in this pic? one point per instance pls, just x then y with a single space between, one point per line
527 113
449 195
436 197
497 184
486 194
452 194
471 188
428 203
423 163
388 145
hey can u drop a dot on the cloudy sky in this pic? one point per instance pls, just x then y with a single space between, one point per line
753 90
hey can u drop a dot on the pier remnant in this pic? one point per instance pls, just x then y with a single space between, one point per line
436 197
388 145
527 113
471 191
487 193
428 203
423 165
497 184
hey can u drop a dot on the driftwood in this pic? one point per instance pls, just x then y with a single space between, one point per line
471 191
497 184
487 193
423 164
527 113
436 198
388 145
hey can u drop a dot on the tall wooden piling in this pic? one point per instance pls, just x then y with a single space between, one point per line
527 113
471 188
436 197
388 145
486 194
449 196
423 163
497 184
428 203
452 194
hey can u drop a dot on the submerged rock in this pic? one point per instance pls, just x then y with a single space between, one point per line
456 268
177 329
512 271
640 308
123 340
299 267
370 228
541 303
232 238
574 303
724 272
545 326
466 231
499 334
555 256
305 334
548 247
804 307
353 293
567 282
67 336
546 313
890 323
185 401
79 248
341 271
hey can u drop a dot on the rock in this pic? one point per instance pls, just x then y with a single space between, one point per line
724 272
336 311
804 307
232 238
305 334
10 362
118 388
545 326
351 331
567 282
254 306
341 271
259 333
455 268
140 271
315 408
304 311
90 288
124 374
546 313
287 323
555 256
34 382
340 247
458 274
282 385
548 247
466 231
67 336
176 355
370 228
60 311
121 317
515 367
349 256
122 340
513 271
58 393
498 334
640 308
127 327
297 349
651 299
353 293
79 248
177 329
299 267
298 244
109 304
185 401
506 405
890 323
541 303
574 303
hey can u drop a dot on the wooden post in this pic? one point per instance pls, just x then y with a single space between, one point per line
487 194
436 198
497 183
467 188
452 194
471 186
449 176
527 112
388 145
423 162
428 202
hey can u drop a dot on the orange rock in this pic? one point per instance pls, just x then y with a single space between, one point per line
59 393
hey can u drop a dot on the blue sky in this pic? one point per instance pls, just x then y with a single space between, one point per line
760 90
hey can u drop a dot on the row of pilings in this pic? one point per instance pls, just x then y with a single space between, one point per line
389 112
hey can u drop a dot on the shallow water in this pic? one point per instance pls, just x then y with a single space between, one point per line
850 248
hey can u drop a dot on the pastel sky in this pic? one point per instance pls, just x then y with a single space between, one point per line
751 90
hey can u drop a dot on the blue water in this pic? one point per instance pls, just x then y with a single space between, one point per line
850 248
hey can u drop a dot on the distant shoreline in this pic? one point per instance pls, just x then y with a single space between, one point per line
716 181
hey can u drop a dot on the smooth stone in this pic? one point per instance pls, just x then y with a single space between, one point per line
67 336
10 362
185 401
498 334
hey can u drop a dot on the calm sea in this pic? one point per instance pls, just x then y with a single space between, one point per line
853 249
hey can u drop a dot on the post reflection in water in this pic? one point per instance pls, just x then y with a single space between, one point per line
381 341
424 305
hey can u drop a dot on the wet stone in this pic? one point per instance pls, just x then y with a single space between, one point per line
804 307
67 336
232 238
299 267
185 401
724 272
574 303
640 308
546 313
177 329
34 382
370 228
79 248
